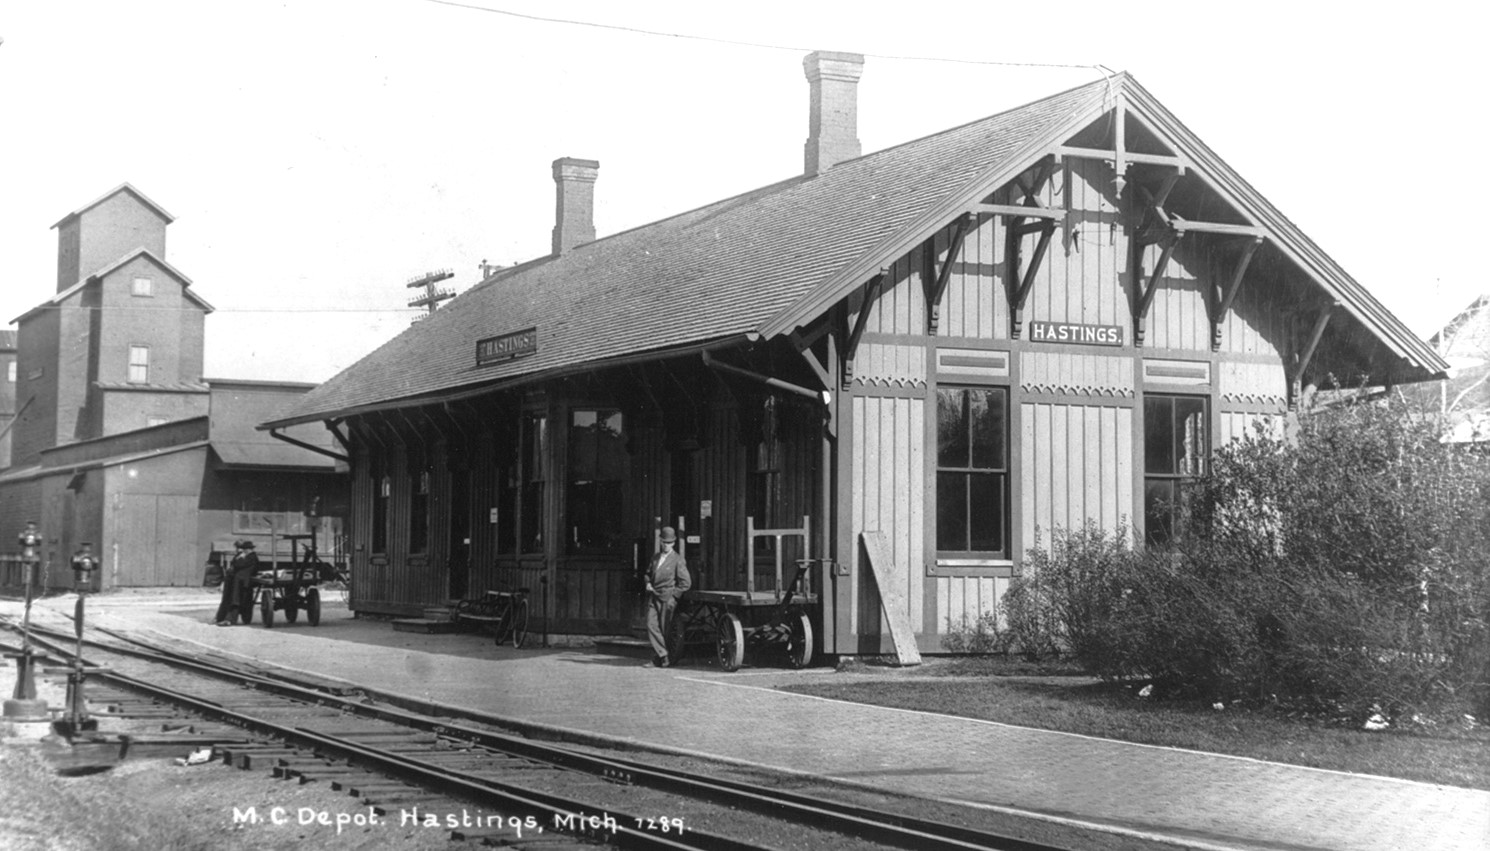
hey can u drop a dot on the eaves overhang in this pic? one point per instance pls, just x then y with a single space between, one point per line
1207 166
468 391
1293 242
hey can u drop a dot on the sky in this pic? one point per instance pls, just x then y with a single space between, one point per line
317 156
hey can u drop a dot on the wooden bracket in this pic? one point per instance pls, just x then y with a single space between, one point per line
939 286
334 426
1145 294
803 345
1222 300
1295 383
1022 294
1020 280
871 294
310 447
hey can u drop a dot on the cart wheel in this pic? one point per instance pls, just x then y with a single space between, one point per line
519 622
731 643
266 607
799 643
291 607
313 607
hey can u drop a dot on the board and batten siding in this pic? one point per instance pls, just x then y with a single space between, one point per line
1081 280
888 495
1078 467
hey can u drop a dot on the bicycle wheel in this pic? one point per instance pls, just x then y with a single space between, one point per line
519 622
504 625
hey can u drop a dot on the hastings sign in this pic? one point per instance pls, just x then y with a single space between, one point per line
507 346
1069 332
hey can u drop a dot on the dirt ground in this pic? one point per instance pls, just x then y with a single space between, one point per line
156 805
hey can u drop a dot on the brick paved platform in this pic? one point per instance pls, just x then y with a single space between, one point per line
1203 800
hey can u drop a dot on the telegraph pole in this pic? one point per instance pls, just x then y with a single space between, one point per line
432 295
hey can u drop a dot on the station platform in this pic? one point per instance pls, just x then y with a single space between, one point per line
1150 795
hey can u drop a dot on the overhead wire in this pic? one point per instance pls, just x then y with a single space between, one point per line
756 44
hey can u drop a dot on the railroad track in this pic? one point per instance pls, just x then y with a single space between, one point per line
479 781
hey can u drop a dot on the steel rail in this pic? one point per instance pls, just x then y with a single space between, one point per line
871 825
525 802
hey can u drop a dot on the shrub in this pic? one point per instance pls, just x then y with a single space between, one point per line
1064 598
980 636
1344 567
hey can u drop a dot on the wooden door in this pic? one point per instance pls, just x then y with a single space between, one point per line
137 534
176 561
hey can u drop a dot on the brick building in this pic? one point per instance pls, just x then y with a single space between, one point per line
117 439
7 392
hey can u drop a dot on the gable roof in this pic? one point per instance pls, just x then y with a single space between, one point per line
110 269
123 187
758 264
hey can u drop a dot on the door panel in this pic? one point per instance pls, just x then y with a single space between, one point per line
137 534
176 541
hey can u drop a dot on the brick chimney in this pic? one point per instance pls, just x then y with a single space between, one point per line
833 121
574 212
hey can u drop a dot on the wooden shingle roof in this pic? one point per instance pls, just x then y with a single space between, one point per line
714 273
761 263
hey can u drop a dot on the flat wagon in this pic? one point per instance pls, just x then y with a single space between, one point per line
766 622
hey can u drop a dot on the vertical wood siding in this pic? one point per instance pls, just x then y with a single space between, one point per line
483 478
1078 466
901 306
1178 317
1082 277
886 365
975 304
1076 374
889 496
361 521
961 599
1255 325
1251 382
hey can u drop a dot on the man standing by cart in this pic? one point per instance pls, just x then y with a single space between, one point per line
237 586
667 579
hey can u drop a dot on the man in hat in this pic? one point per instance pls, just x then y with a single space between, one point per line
667 579
237 593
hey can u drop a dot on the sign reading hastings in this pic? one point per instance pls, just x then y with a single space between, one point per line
506 347
1068 332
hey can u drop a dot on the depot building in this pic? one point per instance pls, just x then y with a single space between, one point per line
952 346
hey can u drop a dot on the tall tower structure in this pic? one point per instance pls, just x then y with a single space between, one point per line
120 345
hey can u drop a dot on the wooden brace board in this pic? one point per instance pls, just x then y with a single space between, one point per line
890 579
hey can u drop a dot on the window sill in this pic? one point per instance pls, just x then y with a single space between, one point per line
980 567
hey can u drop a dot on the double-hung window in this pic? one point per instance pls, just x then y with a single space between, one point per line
139 365
972 472
1176 443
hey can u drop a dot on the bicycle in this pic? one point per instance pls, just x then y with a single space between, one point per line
506 610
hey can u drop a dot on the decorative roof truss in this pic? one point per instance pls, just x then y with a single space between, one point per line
1019 280
1160 226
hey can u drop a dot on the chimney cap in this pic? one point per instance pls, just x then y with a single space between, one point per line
834 65
575 168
